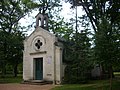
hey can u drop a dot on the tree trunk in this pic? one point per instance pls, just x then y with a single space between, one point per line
3 69
111 76
15 70
3 72
101 71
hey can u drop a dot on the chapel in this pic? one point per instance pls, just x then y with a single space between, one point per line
42 55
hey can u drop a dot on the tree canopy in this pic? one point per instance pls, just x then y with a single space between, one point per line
104 16
11 38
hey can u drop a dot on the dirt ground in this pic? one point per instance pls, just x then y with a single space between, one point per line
25 87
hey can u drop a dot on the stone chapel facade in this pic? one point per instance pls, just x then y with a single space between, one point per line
42 56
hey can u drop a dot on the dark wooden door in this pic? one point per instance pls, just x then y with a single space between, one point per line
39 68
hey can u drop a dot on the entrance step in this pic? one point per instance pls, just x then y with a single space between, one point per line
37 82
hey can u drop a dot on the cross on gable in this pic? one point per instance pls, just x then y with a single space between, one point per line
38 44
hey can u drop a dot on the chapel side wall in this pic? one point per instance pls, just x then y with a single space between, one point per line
58 65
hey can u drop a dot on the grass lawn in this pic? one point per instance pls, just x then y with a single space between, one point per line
11 79
92 85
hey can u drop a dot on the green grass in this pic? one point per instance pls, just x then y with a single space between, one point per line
11 79
93 85
74 87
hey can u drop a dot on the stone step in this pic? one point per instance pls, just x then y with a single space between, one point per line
37 82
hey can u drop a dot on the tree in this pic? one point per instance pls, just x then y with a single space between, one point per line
2 53
104 16
11 12
77 54
96 10
15 52
60 28
107 49
77 57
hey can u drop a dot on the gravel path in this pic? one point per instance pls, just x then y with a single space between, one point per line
25 87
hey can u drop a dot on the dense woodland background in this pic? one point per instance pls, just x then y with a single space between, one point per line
84 48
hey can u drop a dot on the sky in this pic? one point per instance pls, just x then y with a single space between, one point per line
66 12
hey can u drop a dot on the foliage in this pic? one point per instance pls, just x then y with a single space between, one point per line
107 45
77 57
50 7
12 11
101 14
11 38
61 28
76 49
96 10
105 19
